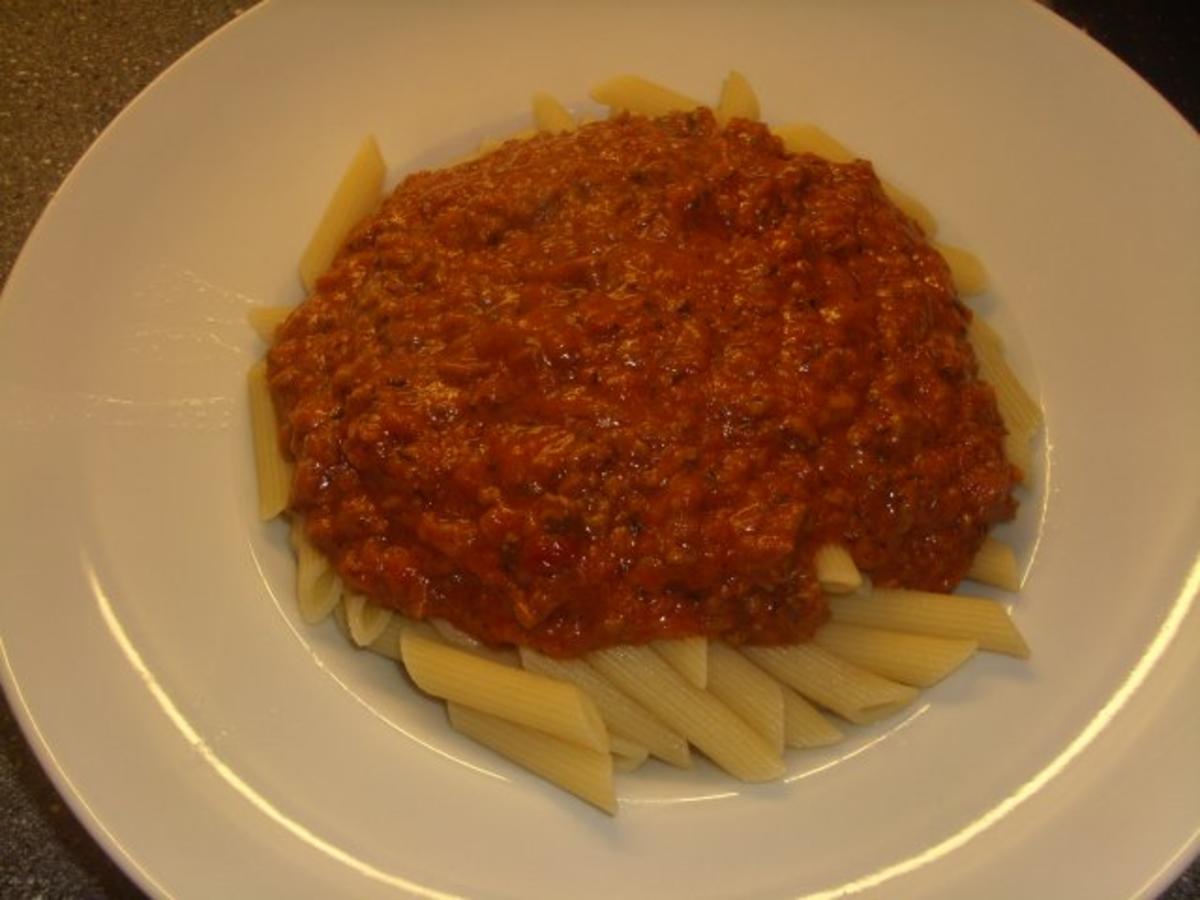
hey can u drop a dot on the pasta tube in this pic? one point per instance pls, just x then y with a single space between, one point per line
627 756
803 724
805 138
274 472
995 564
630 93
585 772
911 207
459 638
698 715
365 620
853 693
266 319
737 101
687 656
318 588
915 659
1021 413
357 194
620 712
748 691
550 116
970 277
548 705
836 570
939 615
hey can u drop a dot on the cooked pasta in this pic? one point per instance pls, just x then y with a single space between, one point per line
574 721
357 194
836 570
627 756
550 116
911 207
459 638
703 719
585 772
939 615
265 319
687 656
914 659
748 691
970 277
274 473
388 642
737 101
318 588
623 716
489 145
1020 412
804 726
542 703
995 564
630 93
366 621
807 138
854 694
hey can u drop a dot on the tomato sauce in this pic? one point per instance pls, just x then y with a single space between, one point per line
620 385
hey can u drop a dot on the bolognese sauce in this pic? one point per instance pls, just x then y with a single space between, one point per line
620 385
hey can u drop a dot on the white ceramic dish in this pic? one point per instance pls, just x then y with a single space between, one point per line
215 747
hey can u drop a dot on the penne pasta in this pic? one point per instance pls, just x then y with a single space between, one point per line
836 570
622 715
737 101
488 145
806 138
274 472
914 659
1021 414
388 642
803 724
630 93
576 721
318 588
1018 452
365 620
970 277
854 694
995 564
704 720
266 319
458 638
687 656
546 704
585 772
911 207
979 332
357 194
939 615
748 691
627 756
550 116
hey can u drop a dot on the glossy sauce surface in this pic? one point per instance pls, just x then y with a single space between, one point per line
619 385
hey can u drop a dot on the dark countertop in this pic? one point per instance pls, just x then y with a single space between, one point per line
68 67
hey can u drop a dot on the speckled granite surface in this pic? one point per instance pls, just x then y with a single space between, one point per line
66 68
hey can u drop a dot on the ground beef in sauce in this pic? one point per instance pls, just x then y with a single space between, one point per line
619 385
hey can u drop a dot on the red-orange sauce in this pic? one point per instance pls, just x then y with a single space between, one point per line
619 385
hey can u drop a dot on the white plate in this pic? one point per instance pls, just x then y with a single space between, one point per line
217 748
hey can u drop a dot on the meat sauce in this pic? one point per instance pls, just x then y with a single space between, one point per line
619 385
